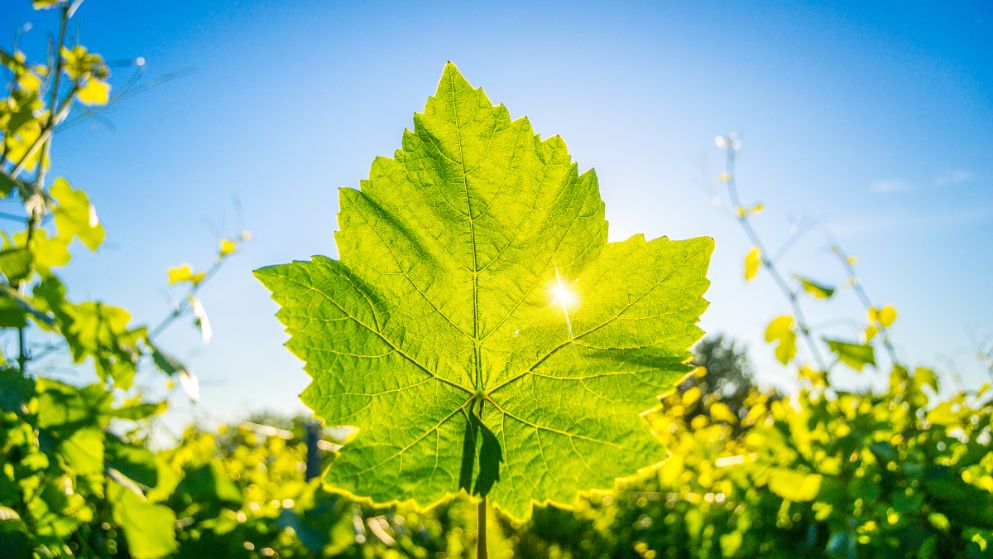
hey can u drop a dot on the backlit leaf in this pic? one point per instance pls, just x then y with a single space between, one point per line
15 264
856 356
752 262
781 332
135 462
184 273
83 451
48 252
818 290
478 329
885 316
75 216
94 92
794 486
227 247
149 528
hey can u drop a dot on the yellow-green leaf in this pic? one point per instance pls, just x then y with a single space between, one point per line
719 411
817 289
150 529
94 92
752 262
184 273
856 356
478 329
794 486
47 252
15 264
227 247
885 316
924 376
75 216
781 332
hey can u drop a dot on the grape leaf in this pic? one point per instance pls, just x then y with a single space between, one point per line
815 288
478 329
856 356
148 528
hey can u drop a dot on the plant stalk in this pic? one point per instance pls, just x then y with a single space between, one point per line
856 283
769 265
481 552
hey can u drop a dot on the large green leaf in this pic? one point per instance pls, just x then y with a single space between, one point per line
478 328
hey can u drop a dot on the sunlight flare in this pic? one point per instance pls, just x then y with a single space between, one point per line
564 297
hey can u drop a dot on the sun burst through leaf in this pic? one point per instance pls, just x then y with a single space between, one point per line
564 297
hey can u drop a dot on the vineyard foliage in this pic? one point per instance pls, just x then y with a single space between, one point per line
822 471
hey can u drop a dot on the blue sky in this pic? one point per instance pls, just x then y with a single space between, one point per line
874 120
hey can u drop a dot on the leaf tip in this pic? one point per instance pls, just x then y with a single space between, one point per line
451 71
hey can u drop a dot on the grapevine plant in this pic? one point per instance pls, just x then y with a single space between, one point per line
478 329
76 475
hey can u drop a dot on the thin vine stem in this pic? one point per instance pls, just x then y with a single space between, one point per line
44 143
481 552
767 263
178 311
860 292
184 304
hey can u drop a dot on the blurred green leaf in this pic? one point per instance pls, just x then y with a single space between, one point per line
184 273
15 309
207 483
782 332
818 290
794 486
135 462
753 260
48 252
15 390
149 528
75 216
958 500
138 411
7 184
45 4
83 451
15 264
94 92
856 356
15 540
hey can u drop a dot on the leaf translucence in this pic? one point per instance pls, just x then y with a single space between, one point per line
435 334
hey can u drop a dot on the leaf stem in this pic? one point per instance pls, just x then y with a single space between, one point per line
768 263
184 303
481 552
35 214
863 297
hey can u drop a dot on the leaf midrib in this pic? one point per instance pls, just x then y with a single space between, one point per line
472 235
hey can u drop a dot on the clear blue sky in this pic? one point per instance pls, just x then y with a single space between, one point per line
876 119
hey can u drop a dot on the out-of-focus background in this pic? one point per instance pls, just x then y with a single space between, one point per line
871 122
